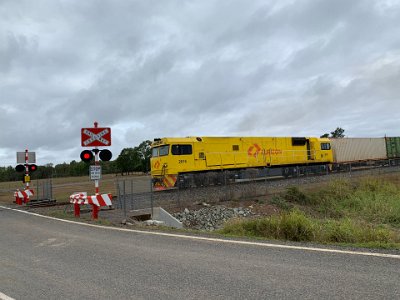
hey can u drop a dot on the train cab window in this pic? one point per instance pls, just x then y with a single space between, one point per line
299 141
164 150
159 151
235 147
181 149
325 146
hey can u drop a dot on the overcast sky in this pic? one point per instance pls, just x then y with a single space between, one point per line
151 69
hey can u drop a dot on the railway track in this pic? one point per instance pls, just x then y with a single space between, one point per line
260 187
44 203
241 188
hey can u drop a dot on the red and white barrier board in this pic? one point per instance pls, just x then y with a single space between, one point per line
23 194
98 200
78 198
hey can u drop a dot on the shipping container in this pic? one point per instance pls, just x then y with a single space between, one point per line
393 147
358 149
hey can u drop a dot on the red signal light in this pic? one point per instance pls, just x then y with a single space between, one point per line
32 167
86 155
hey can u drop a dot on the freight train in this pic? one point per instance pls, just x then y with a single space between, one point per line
202 161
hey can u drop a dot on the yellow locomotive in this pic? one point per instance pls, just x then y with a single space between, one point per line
188 160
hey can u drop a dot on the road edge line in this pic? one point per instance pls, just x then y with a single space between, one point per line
5 297
315 249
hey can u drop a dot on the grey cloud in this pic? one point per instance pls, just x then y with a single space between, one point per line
154 68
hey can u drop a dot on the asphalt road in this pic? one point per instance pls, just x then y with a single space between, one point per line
48 259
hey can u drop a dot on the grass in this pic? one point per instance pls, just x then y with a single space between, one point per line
296 226
364 212
371 200
88 219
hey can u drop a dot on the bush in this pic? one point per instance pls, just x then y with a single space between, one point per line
292 226
281 203
372 200
363 212
293 194
296 226
349 231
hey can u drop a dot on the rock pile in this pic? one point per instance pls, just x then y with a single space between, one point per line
210 218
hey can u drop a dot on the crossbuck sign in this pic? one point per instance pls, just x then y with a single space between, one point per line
93 137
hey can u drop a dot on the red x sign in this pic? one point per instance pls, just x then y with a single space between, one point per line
93 137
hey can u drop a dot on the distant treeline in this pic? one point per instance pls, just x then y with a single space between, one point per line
135 159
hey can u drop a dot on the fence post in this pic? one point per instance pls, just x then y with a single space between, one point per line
117 192
151 197
51 189
178 196
119 195
124 193
131 195
43 190
227 190
37 189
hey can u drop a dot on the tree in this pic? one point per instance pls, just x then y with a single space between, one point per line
79 168
129 160
144 150
134 159
337 133
125 160
62 170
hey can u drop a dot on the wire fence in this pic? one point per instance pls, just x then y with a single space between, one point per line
133 195
43 190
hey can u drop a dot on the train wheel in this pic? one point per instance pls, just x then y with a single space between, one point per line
199 180
286 172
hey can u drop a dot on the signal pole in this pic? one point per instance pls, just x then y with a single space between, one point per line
96 163
26 173
95 208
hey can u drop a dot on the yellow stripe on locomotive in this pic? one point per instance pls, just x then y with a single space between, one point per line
174 156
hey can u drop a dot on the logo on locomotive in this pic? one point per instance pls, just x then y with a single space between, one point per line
254 150
157 164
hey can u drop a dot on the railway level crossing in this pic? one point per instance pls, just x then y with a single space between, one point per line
94 137
26 162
